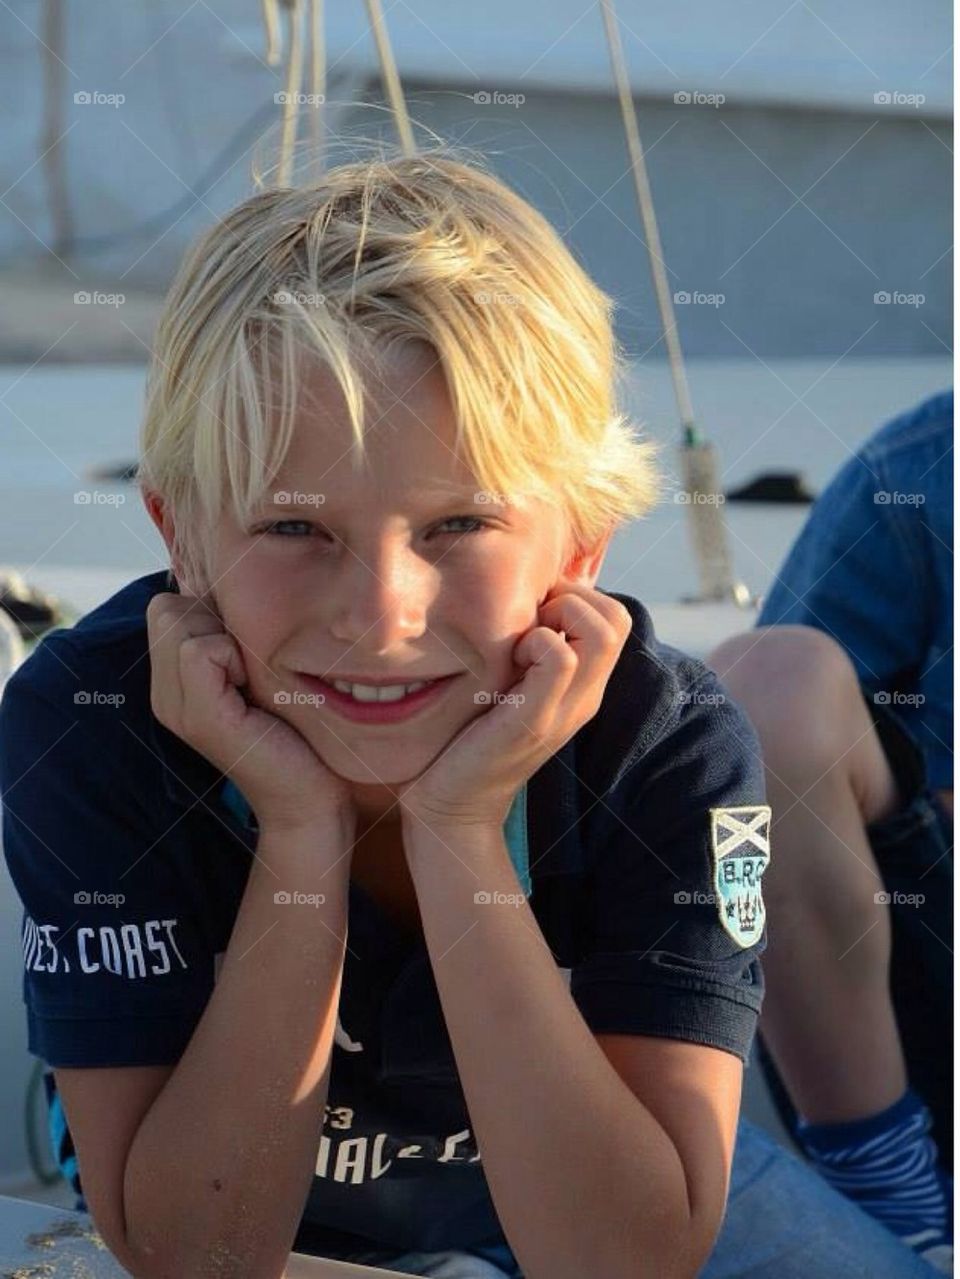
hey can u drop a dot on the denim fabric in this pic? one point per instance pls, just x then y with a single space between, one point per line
782 1222
873 567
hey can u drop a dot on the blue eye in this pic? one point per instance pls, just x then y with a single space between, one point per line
479 526
277 524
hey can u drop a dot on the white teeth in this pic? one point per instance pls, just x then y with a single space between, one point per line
370 693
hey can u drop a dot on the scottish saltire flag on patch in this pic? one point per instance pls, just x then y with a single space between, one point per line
740 843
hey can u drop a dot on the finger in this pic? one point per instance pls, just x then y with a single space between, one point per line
549 665
594 632
210 666
617 614
171 620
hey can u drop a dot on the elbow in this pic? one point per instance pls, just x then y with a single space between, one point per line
212 1263
678 1251
697 1241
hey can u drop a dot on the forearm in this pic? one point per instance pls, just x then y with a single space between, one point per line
218 1173
584 1179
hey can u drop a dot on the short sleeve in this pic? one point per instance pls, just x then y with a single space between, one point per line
859 571
117 968
873 567
676 916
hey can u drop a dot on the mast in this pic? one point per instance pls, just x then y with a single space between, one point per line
698 458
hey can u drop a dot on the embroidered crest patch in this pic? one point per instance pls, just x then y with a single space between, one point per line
740 843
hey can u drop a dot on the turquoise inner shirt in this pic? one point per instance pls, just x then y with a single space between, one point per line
514 828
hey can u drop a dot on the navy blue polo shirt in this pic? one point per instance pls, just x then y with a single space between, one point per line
646 836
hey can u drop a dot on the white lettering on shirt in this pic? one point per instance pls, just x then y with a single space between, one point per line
357 1160
132 951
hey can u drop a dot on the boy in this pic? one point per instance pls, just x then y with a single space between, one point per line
298 956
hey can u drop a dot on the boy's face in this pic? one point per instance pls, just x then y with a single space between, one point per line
372 574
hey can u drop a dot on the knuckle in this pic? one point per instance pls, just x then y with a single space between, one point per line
620 618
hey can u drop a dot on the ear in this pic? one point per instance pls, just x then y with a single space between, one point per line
156 509
585 563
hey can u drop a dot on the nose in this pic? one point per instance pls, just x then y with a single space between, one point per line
382 598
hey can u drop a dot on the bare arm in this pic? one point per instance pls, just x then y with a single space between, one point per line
219 1170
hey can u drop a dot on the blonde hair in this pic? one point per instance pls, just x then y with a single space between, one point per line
374 254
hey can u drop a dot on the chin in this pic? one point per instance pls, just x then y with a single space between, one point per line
352 770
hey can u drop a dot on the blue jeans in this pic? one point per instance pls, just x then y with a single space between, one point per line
783 1221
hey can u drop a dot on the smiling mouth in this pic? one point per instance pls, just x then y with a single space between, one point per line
378 708
416 688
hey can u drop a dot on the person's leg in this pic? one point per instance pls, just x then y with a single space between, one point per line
827 1021
840 777
785 1222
